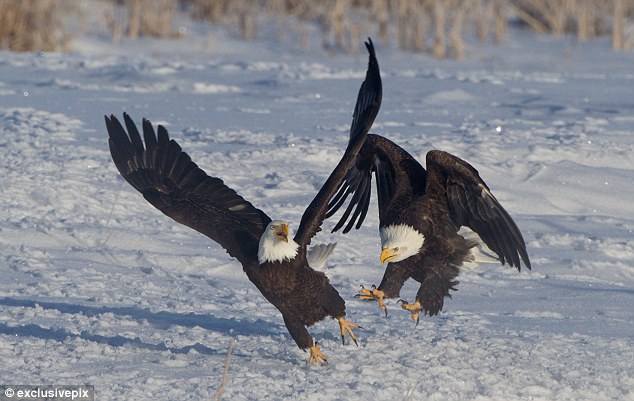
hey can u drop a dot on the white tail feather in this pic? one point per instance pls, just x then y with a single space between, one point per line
479 253
318 255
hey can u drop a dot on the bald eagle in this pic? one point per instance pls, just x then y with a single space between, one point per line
279 264
421 213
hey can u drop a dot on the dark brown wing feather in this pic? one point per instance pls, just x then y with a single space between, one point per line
400 178
174 184
365 111
397 174
472 204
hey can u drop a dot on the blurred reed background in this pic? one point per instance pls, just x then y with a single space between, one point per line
441 28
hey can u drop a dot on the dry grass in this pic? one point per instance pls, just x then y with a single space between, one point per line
34 25
622 9
138 18
437 27
584 18
225 378
434 26
241 14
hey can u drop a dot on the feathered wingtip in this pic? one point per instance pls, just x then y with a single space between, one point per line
370 46
369 97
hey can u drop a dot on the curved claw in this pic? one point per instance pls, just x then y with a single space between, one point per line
373 294
316 355
346 327
364 291
414 309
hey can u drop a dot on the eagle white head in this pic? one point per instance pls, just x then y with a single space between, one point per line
276 243
399 242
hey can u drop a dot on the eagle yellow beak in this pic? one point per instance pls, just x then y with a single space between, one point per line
388 254
282 232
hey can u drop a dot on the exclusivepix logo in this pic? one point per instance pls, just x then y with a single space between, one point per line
48 392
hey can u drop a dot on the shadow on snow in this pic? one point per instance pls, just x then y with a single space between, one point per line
159 320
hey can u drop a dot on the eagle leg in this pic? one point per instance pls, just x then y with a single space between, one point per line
373 294
346 327
316 355
414 309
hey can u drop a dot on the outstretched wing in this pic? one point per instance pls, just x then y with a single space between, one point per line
399 177
174 184
365 111
471 204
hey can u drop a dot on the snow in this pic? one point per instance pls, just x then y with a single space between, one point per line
97 287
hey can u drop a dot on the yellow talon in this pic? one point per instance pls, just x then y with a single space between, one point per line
373 295
346 327
414 309
316 355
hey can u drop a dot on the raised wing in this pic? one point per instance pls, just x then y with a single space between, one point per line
174 184
398 176
471 204
365 111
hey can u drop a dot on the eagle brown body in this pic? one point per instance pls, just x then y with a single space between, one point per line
303 295
156 166
428 206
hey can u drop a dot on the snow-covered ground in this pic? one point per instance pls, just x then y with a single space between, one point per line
97 287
